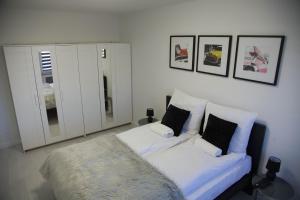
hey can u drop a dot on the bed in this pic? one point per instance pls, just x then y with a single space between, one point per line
111 168
197 174
254 149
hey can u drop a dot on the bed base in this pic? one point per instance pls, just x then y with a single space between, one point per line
254 149
245 184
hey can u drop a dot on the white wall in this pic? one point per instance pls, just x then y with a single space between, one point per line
278 107
33 27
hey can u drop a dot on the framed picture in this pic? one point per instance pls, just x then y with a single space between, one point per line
214 54
258 58
182 48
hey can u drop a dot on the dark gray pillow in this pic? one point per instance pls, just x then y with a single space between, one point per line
175 118
219 132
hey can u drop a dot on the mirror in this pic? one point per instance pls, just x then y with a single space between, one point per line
48 92
107 84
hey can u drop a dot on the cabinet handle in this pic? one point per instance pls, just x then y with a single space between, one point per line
61 96
36 101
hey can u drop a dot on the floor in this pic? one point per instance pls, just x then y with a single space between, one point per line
19 172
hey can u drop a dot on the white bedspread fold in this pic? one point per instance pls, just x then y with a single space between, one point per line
143 141
162 130
190 167
207 147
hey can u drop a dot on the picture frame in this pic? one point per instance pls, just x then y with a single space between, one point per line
258 58
213 56
182 52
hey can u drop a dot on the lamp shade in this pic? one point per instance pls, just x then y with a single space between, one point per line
273 164
150 112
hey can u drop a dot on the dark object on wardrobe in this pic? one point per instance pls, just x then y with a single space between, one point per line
254 149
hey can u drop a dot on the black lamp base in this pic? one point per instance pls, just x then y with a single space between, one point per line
263 183
150 119
267 180
271 175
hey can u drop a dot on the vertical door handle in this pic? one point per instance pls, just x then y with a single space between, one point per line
61 96
36 101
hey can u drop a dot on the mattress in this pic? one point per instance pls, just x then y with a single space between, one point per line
191 169
143 141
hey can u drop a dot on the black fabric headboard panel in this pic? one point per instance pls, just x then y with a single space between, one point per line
168 98
255 143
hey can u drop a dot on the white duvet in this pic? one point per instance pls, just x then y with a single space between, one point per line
190 167
143 141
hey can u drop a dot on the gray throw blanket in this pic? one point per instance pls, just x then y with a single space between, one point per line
105 168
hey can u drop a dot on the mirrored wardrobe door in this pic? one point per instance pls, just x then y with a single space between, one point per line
48 90
107 86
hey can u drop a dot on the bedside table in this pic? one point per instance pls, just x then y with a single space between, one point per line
144 121
279 189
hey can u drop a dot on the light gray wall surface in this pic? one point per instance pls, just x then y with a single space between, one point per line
45 26
149 31
277 107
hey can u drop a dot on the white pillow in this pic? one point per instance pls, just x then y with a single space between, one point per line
208 147
244 119
195 105
162 130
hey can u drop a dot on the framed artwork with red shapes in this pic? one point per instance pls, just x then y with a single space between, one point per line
258 58
182 50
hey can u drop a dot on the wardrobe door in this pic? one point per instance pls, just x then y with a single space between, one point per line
121 62
114 63
67 64
25 97
48 89
90 89
107 86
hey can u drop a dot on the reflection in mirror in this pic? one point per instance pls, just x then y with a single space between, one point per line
107 82
48 92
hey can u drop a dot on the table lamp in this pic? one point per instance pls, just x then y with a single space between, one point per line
273 166
150 114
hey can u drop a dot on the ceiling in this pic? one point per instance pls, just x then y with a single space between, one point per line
114 6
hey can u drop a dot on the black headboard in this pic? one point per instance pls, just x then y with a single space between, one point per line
255 143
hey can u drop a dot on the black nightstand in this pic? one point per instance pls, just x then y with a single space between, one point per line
144 121
279 189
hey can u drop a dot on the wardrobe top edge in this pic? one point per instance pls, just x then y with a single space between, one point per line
53 44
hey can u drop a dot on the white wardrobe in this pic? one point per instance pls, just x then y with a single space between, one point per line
68 90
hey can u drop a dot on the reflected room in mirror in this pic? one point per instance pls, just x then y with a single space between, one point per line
48 92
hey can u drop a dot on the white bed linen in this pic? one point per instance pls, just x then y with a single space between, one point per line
190 167
219 184
143 141
162 130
